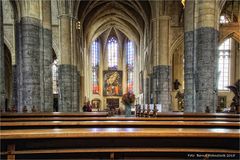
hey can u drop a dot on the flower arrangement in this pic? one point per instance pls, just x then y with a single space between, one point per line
128 98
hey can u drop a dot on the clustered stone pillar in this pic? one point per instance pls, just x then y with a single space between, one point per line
201 43
46 58
30 63
2 74
34 57
65 68
68 75
207 57
162 69
76 73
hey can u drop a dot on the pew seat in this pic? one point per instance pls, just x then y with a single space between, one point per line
119 142
85 136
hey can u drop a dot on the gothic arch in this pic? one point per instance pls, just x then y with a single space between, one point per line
221 4
9 46
56 49
233 35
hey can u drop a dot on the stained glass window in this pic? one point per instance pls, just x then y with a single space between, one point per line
224 64
130 64
95 52
224 19
112 53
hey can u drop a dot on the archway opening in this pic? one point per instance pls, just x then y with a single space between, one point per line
8 78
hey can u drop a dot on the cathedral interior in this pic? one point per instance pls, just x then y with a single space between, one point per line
57 55
183 56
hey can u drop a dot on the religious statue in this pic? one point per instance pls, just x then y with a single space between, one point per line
180 100
207 110
176 84
25 109
235 105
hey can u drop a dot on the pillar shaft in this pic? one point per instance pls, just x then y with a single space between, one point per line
162 69
207 56
28 56
189 59
65 39
30 62
2 67
46 58
201 42
68 74
76 75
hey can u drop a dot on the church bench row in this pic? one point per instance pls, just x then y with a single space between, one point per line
104 114
64 124
10 119
54 114
119 132
159 141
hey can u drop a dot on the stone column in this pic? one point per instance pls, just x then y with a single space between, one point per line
14 85
201 43
207 56
2 66
162 69
75 73
46 58
189 59
65 68
28 59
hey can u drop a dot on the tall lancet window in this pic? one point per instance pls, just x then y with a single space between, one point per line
55 76
224 64
112 47
95 52
130 64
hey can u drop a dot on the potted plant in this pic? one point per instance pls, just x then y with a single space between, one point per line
128 99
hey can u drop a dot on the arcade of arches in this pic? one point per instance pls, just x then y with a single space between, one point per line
56 55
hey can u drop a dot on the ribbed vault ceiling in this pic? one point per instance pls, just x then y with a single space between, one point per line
129 17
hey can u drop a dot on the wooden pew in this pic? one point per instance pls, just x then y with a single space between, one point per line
53 114
118 137
102 116
81 124
118 119
122 142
